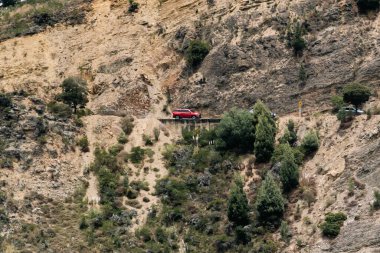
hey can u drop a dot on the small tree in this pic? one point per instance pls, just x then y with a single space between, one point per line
237 210
196 52
289 173
236 131
74 92
290 135
310 143
261 109
356 94
295 39
7 3
264 141
133 6
270 204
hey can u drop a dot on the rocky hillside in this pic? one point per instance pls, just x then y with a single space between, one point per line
56 197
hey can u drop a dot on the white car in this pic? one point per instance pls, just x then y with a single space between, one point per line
353 110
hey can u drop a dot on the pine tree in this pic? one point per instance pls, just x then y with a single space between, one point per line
270 204
264 141
289 173
237 210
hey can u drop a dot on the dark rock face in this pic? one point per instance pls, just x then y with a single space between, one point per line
250 58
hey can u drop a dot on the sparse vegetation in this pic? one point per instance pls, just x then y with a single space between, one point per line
83 144
333 223
196 52
59 109
290 135
137 155
337 102
127 124
156 133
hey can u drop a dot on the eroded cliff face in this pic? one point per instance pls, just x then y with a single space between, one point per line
133 61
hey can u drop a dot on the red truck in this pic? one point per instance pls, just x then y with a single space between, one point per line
186 113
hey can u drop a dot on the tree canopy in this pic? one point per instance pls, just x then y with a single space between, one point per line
74 92
237 210
356 94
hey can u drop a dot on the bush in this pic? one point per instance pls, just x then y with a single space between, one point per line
60 110
105 159
133 6
376 203
264 140
237 209
83 144
156 133
137 155
285 232
5 101
333 223
337 103
147 140
236 131
74 92
356 94
107 185
310 143
368 5
122 138
174 191
116 149
196 52
290 135
344 116
270 204
127 125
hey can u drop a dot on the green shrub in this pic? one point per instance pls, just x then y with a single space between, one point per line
137 154
127 125
133 6
74 92
237 209
173 190
105 159
290 135
60 110
236 131
333 223
187 135
285 232
83 144
270 204
264 140
310 143
5 101
116 149
376 203
356 94
337 103
122 138
156 133
368 5
289 173
196 52
147 140
108 182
